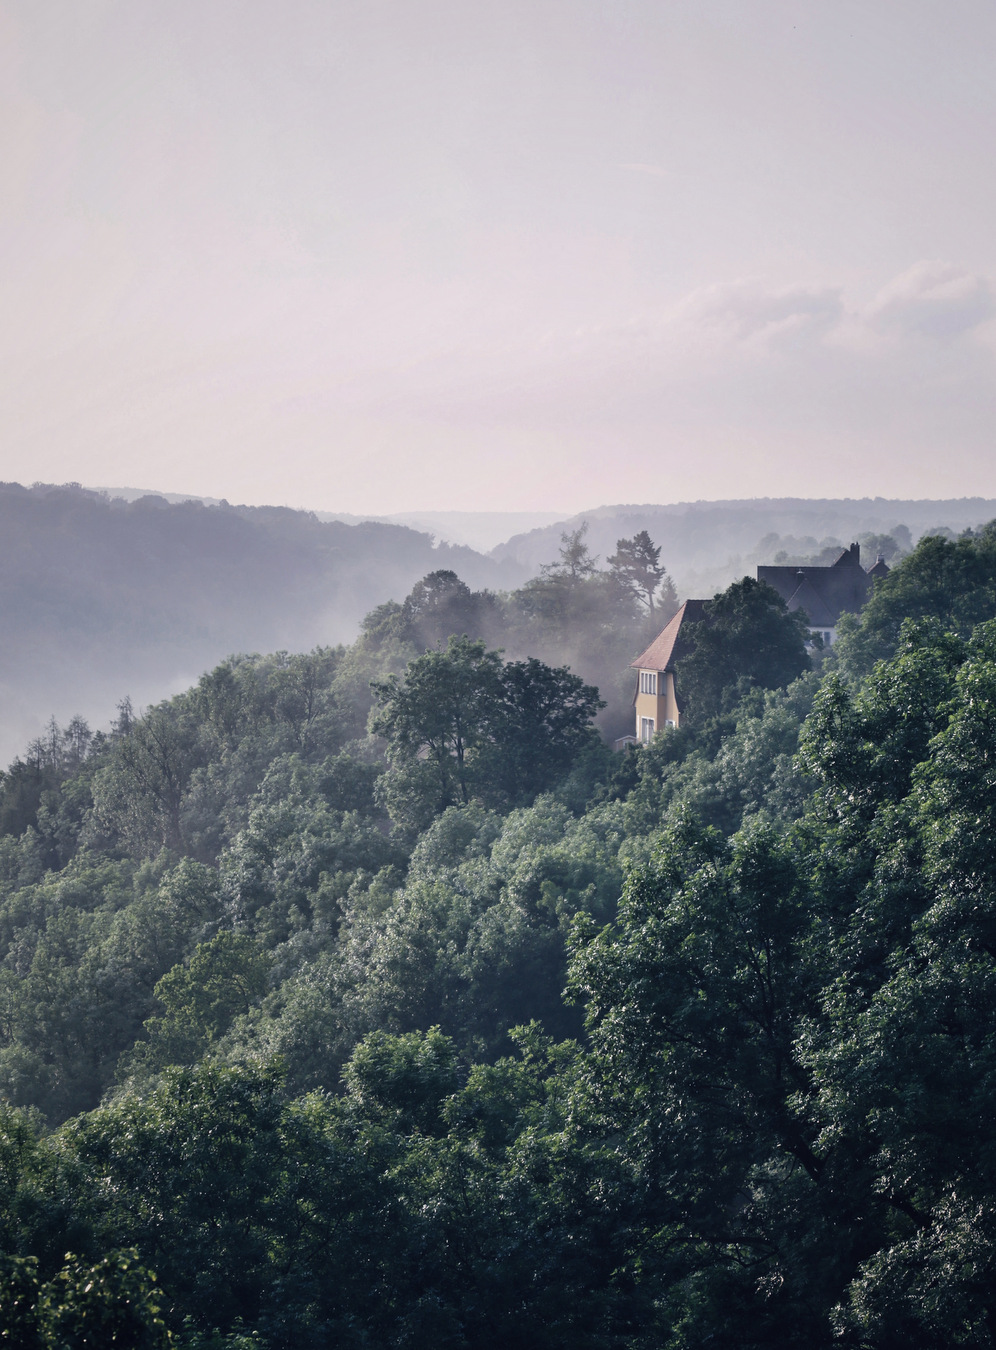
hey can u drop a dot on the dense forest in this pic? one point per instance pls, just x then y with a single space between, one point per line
367 998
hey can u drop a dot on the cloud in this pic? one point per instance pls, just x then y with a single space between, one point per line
932 299
747 311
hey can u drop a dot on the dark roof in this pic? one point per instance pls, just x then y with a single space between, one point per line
669 646
825 592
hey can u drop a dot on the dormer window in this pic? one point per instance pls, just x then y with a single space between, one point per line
648 682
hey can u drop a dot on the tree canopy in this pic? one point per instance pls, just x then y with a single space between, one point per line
748 639
286 1058
462 724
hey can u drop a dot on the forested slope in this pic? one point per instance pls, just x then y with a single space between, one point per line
283 1035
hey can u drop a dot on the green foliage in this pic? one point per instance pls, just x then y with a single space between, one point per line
110 1302
464 725
320 1079
537 728
400 1082
950 580
748 640
200 999
437 717
186 1174
441 606
182 776
22 786
280 871
84 949
740 765
796 1039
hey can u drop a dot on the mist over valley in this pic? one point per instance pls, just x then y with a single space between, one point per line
104 598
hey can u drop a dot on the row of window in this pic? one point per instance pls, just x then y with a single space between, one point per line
648 682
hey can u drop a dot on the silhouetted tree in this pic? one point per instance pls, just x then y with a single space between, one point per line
636 564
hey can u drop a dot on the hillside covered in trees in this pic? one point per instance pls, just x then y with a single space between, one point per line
366 998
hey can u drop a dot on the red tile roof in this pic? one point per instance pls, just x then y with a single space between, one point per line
662 653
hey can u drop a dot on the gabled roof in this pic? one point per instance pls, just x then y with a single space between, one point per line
824 592
669 645
807 596
848 557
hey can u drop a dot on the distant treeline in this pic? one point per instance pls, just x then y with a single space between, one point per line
709 544
99 595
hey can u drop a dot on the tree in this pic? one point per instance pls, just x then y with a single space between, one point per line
537 728
951 580
636 564
904 1057
21 791
461 724
200 999
139 794
748 639
793 1042
575 562
108 1302
433 721
401 1081
185 1173
694 1000
441 606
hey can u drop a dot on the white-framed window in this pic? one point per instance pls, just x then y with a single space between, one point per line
648 682
670 722
646 729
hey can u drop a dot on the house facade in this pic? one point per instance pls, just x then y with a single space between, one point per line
656 701
825 592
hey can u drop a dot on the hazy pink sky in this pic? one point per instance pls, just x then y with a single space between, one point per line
386 255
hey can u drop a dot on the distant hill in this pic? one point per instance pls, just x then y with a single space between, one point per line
705 545
108 594
101 597
479 530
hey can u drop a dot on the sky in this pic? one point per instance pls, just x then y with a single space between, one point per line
395 255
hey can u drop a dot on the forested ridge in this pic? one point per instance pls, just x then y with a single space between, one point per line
367 998
100 596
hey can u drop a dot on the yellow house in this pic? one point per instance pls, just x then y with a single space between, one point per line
656 700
